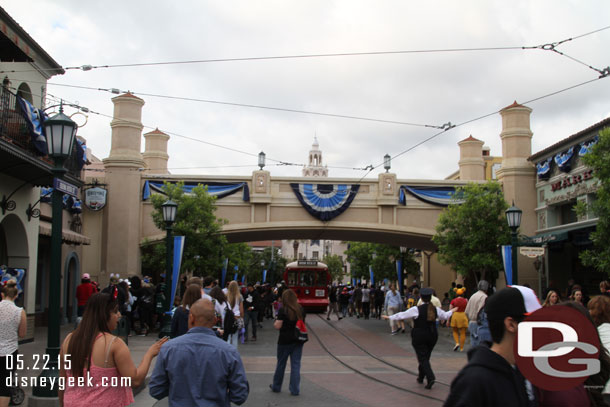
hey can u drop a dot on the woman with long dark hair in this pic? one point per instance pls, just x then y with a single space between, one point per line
424 334
92 351
288 344
180 319
14 326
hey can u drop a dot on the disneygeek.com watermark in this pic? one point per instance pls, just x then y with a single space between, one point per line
24 371
61 383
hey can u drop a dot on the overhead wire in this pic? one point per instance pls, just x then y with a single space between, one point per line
88 67
444 128
477 119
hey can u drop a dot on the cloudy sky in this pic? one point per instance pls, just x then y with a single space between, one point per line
430 88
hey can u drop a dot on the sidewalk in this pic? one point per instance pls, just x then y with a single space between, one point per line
138 345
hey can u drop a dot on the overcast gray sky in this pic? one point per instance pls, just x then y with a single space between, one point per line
422 88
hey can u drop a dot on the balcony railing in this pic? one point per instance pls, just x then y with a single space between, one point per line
14 129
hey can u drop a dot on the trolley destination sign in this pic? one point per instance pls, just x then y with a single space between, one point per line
307 263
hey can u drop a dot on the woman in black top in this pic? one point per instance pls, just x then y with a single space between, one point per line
332 303
180 319
288 344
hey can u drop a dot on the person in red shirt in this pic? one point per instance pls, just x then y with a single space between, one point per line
84 290
459 320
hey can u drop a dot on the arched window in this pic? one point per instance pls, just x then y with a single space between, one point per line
25 92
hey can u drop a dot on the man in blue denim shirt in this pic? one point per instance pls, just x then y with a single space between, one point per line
198 368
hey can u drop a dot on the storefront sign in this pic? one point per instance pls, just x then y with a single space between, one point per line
95 198
531 252
572 180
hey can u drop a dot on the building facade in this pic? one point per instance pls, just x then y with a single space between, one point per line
563 180
25 216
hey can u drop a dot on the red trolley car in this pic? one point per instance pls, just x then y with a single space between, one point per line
309 279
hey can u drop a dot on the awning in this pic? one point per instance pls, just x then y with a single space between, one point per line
551 237
67 235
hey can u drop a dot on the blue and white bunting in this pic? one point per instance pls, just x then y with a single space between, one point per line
217 189
325 201
563 160
442 196
587 146
543 169
34 119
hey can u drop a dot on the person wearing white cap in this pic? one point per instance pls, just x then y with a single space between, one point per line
424 334
490 378
84 290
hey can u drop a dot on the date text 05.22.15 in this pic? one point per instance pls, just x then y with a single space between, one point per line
36 362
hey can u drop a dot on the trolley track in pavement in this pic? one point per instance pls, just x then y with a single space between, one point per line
368 376
411 372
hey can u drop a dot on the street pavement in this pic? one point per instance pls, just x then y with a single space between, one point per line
333 368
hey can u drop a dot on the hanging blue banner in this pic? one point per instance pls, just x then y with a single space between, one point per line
243 279
442 196
264 276
399 274
325 201
353 282
217 189
224 272
372 278
178 250
507 258
235 277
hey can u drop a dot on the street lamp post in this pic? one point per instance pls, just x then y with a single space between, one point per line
169 209
513 217
60 131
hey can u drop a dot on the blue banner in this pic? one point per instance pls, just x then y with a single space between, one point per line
217 189
353 282
442 196
507 258
235 277
399 274
243 279
34 119
325 201
178 250
372 277
224 272
264 276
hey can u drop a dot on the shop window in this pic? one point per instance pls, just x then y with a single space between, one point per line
315 255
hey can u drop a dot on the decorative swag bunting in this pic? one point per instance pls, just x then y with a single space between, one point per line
587 146
442 196
325 201
217 189
543 169
563 160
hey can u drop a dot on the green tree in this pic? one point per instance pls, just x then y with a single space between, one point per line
599 161
382 258
239 255
195 219
335 267
468 234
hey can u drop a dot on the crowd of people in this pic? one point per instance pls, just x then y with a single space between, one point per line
202 360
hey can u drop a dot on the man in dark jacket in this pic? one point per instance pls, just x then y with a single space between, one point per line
251 306
489 378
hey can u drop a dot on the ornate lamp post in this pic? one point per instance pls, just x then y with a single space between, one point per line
401 282
60 131
169 209
513 217
261 160
387 162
